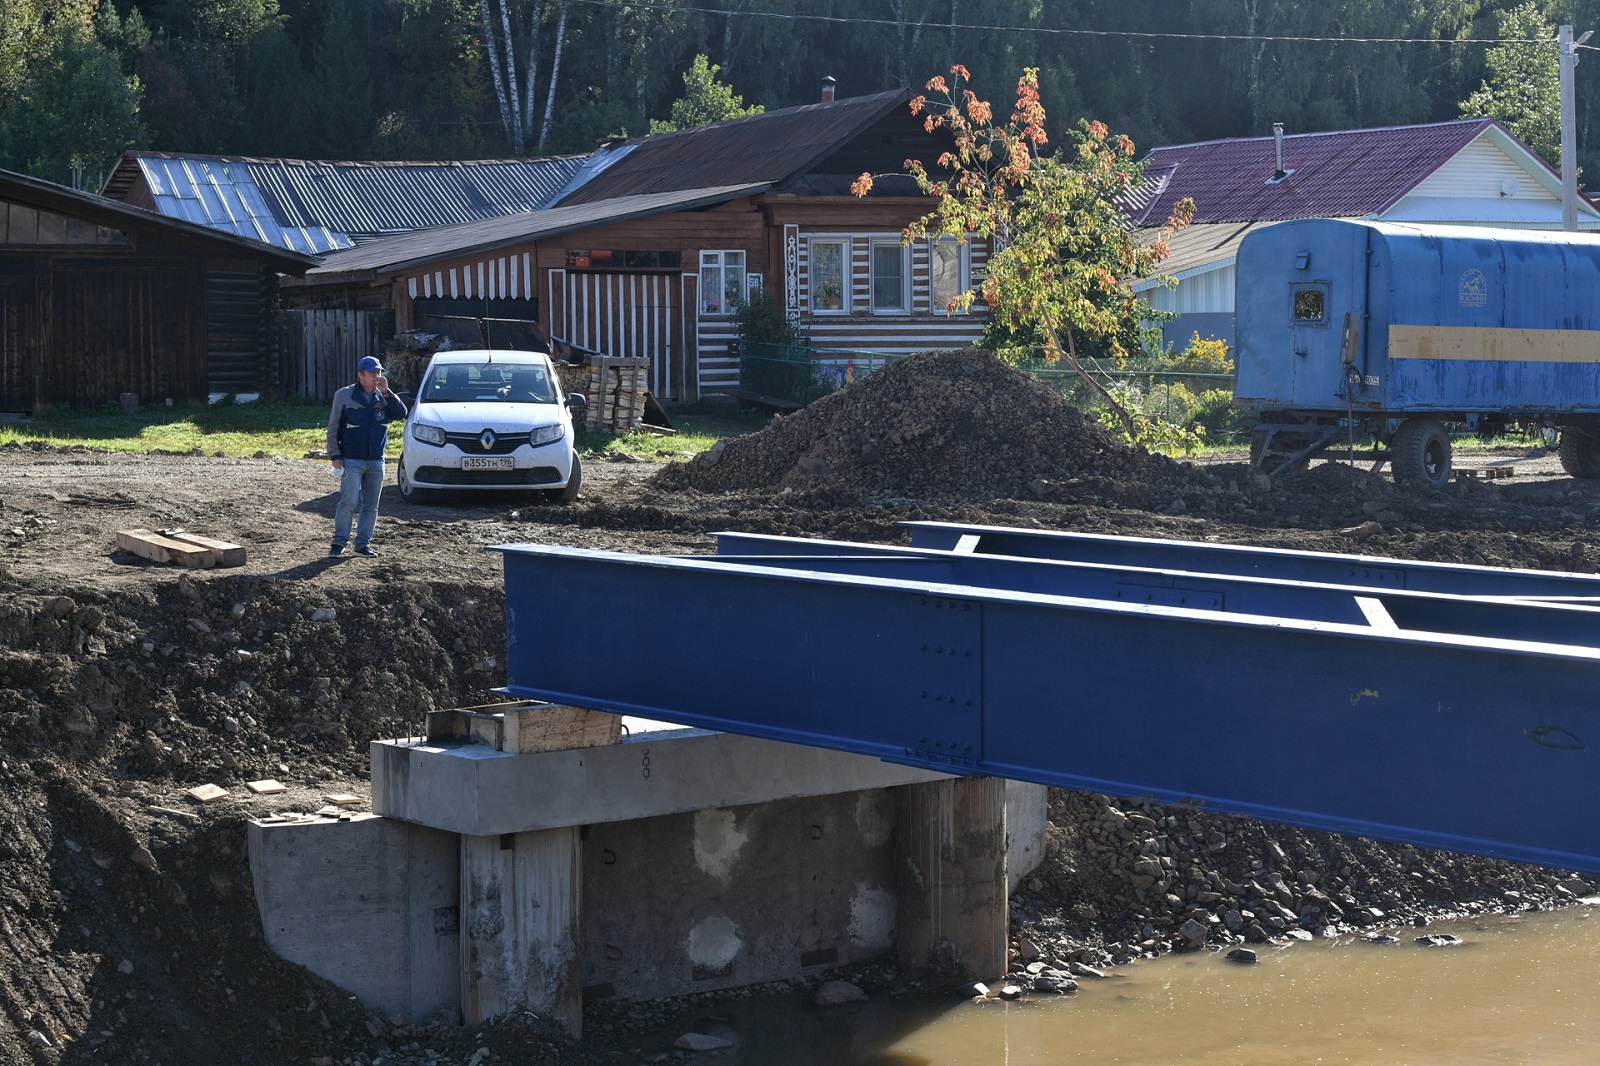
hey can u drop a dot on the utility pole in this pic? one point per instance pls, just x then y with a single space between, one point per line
1569 128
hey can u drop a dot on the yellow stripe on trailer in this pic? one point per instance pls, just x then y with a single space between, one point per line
1485 343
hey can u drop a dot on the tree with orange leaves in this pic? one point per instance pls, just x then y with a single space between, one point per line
1062 247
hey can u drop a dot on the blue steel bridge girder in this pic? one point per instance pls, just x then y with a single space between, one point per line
1445 720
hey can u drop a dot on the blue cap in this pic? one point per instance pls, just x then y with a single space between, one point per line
369 362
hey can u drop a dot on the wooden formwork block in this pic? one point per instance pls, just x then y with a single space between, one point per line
553 727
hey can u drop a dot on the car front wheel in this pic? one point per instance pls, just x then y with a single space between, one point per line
408 491
569 492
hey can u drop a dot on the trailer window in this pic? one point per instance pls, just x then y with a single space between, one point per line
1308 305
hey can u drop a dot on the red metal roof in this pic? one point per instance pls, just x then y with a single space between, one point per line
771 147
1344 174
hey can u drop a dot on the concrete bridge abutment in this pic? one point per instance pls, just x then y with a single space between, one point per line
660 862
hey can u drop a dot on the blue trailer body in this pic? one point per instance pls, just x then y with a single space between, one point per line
1453 320
1350 325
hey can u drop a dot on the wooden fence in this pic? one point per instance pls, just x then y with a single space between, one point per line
319 348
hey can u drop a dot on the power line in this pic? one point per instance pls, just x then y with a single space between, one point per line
854 20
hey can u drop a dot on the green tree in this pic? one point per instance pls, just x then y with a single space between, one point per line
73 112
1063 245
705 100
1523 89
342 86
277 98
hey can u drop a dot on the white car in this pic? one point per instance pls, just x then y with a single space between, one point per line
490 420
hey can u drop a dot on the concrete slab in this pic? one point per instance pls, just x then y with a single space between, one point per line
475 790
369 903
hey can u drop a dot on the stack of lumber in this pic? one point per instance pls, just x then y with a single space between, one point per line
175 547
616 388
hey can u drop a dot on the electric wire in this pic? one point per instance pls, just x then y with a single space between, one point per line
858 20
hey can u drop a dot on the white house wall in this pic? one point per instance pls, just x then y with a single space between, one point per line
1207 291
1476 173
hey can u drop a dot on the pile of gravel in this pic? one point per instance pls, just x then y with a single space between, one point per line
950 426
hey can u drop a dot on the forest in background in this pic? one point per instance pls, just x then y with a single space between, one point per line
81 80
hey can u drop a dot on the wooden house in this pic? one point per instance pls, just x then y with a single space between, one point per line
1468 172
99 299
655 240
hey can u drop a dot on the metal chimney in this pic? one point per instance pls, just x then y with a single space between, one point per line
1278 173
828 85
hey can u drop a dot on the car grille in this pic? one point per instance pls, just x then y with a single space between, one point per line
504 444
444 475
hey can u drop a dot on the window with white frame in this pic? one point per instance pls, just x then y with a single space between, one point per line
889 276
947 266
828 277
722 281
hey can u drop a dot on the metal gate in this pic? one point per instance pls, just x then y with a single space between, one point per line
637 316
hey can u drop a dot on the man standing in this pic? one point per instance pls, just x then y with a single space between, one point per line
358 431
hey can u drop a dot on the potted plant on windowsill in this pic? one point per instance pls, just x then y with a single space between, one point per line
829 297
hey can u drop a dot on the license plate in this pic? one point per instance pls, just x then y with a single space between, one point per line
489 463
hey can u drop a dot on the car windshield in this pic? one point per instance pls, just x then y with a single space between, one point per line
506 382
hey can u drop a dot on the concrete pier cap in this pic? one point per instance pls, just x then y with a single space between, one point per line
652 861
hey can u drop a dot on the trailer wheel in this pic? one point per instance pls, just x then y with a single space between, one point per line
1579 452
1419 454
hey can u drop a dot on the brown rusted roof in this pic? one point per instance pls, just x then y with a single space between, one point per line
767 148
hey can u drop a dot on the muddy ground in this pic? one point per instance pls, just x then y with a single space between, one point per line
127 929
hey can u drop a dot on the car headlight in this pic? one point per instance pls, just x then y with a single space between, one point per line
545 434
427 434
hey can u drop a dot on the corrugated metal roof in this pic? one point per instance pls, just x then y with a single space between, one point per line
770 147
414 249
20 188
321 206
1203 245
1343 174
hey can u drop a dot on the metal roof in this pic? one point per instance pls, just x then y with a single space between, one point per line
425 246
771 147
321 206
1343 174
19 188
1202 246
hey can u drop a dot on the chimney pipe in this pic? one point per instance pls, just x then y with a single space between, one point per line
1278 173
828 85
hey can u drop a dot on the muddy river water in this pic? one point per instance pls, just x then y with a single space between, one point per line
1520 989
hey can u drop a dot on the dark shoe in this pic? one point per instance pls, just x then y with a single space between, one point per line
366 551
336 551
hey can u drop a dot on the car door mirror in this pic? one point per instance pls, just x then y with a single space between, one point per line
576 401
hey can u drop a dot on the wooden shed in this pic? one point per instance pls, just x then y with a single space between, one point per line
98 299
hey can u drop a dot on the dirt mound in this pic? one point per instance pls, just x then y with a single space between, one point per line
941 426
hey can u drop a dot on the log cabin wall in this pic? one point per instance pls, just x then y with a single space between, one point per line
113 302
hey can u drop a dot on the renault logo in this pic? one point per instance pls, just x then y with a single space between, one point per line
486 438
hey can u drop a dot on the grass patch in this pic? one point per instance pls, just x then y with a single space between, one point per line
283 428
295 428
698 425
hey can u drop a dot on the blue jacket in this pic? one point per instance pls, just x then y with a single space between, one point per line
358 424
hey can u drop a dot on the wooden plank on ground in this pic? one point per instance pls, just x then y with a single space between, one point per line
160 549
266 787
207 793
227 554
